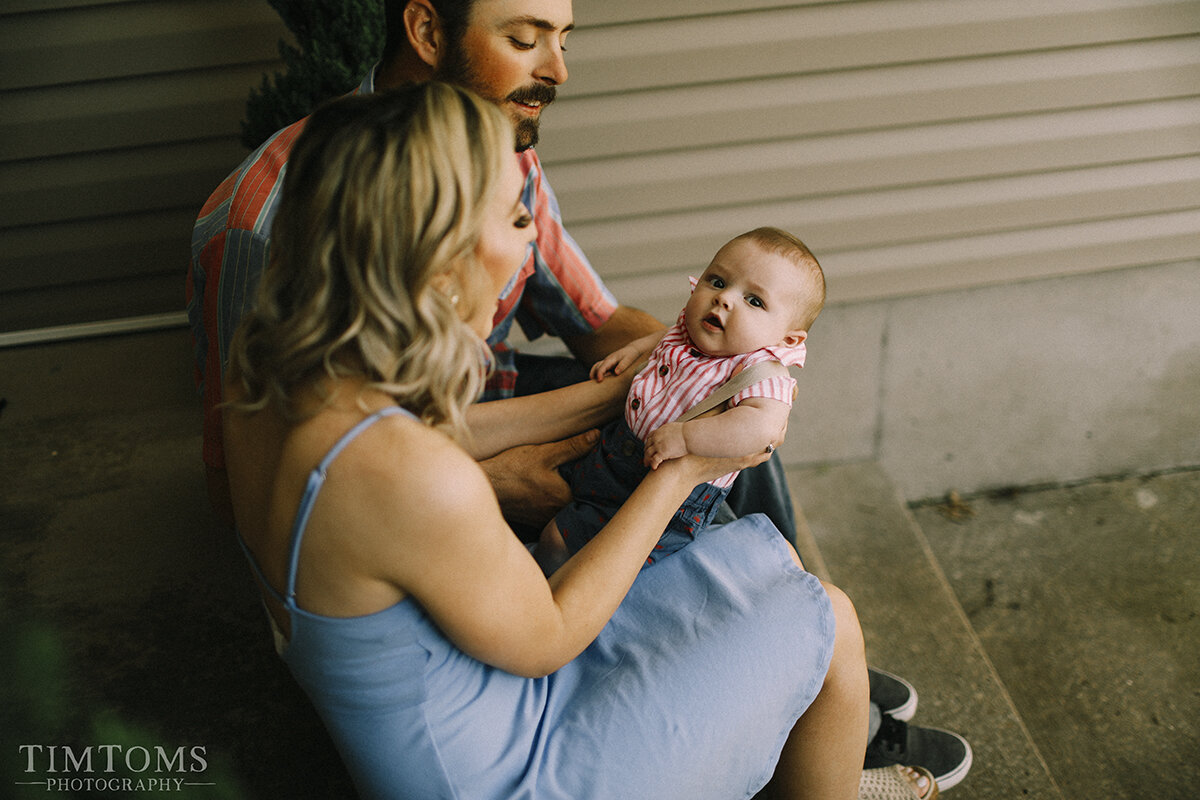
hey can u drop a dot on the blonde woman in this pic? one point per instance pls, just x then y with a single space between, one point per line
442 661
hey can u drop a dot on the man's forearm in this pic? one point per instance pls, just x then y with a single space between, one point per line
624 326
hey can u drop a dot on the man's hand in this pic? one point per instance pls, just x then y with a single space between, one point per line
526 478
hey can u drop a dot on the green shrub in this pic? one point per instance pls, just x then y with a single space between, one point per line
335 43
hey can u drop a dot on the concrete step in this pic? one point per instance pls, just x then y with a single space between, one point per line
855 530
1086 600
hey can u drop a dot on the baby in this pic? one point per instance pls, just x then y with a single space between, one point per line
754 303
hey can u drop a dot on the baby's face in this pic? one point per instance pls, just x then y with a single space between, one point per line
747 299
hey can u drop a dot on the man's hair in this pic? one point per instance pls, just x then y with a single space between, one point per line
453 15
780 242
384 193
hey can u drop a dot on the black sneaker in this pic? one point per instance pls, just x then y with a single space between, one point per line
947 755
895 696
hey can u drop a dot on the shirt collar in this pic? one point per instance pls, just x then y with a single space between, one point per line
368 83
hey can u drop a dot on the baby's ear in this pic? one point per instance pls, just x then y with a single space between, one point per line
795 337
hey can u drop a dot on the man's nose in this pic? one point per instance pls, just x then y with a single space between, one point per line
553 69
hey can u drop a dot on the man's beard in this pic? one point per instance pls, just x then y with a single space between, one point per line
456 68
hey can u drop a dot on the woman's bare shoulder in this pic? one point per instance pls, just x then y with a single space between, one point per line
406 471
421 455
409 493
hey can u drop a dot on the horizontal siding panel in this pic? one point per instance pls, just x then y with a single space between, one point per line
874 99
110 184
1016 255
91 251
118 41
126 114
831 164
591 13
891 217
820 39
12 7
71 304
922 268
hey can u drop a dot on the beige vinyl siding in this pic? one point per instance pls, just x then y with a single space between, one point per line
116 121
917 145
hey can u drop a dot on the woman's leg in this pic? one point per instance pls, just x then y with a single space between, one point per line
823 756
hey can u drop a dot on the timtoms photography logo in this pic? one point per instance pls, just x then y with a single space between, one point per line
113 768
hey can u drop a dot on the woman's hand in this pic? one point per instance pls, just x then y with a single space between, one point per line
717 433
708 468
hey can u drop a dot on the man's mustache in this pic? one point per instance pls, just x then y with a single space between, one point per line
538 93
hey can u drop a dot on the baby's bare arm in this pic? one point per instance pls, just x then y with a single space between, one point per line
746 428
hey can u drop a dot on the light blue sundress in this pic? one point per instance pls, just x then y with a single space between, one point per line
689 691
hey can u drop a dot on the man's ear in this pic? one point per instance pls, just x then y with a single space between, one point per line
424 30
794 337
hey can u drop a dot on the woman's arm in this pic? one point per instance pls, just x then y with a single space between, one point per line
500 425
484 590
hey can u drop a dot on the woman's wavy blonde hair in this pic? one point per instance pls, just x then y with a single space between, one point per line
384 193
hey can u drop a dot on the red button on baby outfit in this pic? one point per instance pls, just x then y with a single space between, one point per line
635 404
663 370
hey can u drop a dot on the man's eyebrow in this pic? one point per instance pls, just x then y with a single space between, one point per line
541 24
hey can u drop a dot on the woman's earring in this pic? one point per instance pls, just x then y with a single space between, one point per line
453 299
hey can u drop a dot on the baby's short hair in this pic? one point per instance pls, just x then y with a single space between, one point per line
780 242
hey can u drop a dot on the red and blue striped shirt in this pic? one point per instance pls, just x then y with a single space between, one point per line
556 292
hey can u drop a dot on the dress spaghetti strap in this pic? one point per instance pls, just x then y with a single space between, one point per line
316 479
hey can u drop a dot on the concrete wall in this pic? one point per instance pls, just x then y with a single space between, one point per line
1046 381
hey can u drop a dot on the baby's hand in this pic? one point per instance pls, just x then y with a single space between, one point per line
615 363
664 444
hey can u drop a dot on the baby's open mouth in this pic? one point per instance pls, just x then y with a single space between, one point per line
713 321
